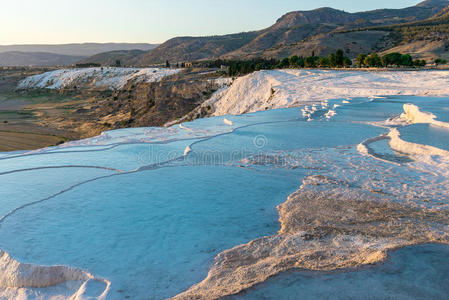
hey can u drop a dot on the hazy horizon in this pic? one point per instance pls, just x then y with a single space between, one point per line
53 22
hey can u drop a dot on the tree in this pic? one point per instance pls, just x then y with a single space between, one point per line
361 60
260 66
419 63
373 60
245 68
285 63
311 61
167 64
440 61
394 58
324 62
118 63
406 60
295 61
385 61
347 62
340 58
332 60
231 70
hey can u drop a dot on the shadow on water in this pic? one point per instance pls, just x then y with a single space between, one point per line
417 272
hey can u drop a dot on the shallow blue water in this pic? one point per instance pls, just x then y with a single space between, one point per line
366 110
419 272
426 134
124 157
154 232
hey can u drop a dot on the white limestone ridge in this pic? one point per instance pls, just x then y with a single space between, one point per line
272 89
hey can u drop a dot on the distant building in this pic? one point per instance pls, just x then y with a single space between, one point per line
188 64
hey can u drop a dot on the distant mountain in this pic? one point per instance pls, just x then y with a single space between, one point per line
426 39
86 49
16 58
126 58
299 32
195 48
320 31
304 32
430 3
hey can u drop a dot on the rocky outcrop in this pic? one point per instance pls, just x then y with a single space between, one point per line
137 103
154 104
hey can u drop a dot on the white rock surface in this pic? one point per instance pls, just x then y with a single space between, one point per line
105 78
264 90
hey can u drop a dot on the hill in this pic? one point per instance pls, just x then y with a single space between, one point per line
426 39
320 31
85 49
16 58
126 58
301 33
195 48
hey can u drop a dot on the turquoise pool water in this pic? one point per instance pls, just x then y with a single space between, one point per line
149 209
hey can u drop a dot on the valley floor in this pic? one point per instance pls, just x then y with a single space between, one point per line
20 128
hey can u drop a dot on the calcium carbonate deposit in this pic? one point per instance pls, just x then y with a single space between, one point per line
264 90
238 204
105 78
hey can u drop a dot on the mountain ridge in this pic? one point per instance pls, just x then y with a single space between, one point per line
307 29
36 59
77 49
320 31
111 58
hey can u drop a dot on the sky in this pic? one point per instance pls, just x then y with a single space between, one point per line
150 21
